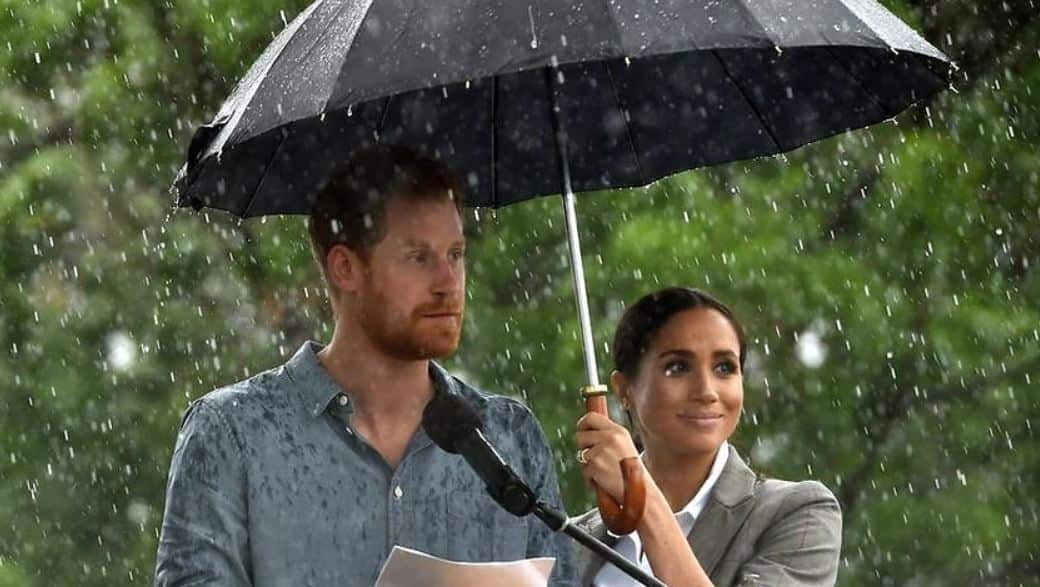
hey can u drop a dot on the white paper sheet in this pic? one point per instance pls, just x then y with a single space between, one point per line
411 568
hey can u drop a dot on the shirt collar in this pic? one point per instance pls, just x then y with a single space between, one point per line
696 505
319 389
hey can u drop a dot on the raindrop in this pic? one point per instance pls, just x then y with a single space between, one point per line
534 34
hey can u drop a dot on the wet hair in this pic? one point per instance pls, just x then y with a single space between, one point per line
351 208
643 319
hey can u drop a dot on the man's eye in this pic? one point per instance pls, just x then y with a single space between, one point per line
457 255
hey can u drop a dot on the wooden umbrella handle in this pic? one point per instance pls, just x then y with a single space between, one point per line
619 518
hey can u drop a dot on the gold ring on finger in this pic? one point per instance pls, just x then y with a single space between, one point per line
583 456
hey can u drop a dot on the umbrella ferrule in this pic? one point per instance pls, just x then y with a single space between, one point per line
593 391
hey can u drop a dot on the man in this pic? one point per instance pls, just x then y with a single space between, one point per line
310 473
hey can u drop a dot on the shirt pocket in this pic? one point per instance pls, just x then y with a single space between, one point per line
479 530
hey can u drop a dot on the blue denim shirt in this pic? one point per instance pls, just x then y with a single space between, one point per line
270 486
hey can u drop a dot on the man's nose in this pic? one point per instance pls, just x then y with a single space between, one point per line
448 276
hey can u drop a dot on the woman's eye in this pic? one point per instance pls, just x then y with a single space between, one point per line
457 255
675 368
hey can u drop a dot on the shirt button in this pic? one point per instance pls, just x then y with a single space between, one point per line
398 492
343 400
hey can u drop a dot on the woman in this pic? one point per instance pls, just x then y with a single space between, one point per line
709 520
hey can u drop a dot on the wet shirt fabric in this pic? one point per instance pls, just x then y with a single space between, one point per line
270 486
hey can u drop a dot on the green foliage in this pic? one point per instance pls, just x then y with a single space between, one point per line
908 250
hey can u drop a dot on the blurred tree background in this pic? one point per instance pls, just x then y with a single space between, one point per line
887 279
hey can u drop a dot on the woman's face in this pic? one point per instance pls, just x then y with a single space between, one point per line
687 395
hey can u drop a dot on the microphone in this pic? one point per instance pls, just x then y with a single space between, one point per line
454 425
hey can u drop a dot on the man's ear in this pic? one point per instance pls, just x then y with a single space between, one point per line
345 268
619 382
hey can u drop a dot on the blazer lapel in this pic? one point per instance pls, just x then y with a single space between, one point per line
729 506
731 501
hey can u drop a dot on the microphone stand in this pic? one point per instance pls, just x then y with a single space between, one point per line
558 522
520 500
454 426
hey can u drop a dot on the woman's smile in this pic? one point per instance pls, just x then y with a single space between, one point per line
704 421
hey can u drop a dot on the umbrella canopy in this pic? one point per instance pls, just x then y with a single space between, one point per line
643 89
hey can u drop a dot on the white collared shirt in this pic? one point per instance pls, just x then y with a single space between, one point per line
630 544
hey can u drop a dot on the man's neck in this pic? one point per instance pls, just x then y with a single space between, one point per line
379 385
388 394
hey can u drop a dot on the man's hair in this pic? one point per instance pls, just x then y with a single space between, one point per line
351 208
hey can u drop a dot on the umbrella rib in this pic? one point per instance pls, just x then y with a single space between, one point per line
382 117
624 116
889 110
747 99
617 27
267 171
346 55
248 93
324 31
885 109
310 49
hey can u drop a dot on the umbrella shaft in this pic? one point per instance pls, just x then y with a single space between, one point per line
580 294
553 80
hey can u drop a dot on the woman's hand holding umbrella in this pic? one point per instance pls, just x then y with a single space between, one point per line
602 444
621 509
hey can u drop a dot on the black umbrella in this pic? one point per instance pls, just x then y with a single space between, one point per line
645 89
550 96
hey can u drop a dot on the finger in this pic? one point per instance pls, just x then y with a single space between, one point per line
595 421
588 481
589 438
618 437
606 476
584 422
603 462
589 472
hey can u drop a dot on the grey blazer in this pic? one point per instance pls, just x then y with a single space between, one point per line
753 531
